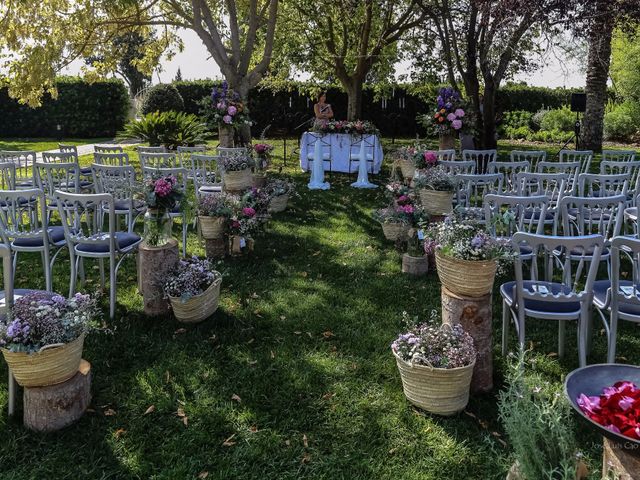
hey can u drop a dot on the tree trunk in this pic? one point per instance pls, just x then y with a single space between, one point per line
596 82
354 93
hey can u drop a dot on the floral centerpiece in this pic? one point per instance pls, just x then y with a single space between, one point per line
237 172
436 364
42 341
397 220
226 111
467 256
213 213
279 191
193 288
436 187
162 195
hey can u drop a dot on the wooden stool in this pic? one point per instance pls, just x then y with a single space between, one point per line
50 408
620 463
475 316
154 265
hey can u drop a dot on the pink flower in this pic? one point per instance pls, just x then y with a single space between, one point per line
162 187
248 212
451 117
457 124
232 110
430 157
459 113
227 119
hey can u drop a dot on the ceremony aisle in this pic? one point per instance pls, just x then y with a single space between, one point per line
293 376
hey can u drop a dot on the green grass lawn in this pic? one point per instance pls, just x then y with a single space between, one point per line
292 378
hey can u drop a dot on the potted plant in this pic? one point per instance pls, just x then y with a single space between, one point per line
43 338
237 173
193 289
226 111
415 260
161 195
280 191
467 257
242 225
396 220
435 364
263 160
213 213
436 188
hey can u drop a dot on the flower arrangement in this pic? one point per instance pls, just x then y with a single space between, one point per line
236 163
226 107
617 408
357 127
190 278
407 214
277 188
263 152
424 159
438 346
468 240
435 178
46 318
219 205
162 192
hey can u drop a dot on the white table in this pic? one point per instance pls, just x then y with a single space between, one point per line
340 151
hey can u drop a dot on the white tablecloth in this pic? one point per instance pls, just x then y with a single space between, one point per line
340 150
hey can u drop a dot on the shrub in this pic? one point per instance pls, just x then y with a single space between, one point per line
82 109
162 98
171 129
562 119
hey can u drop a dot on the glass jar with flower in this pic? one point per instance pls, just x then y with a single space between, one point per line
236 170
436 188
467 256
162 195
43 337
193 288
436 364
214 211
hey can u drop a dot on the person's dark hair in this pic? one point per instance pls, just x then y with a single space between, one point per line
321 94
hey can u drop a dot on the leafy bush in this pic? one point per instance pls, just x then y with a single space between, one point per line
82 109
163 97
622 121
562 119
171 129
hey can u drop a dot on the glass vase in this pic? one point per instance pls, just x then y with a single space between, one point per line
157 227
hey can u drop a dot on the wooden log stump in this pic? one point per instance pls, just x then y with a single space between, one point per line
51 408
154 264
475 316
620 463
215 248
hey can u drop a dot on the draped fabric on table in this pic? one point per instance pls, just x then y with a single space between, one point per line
341 148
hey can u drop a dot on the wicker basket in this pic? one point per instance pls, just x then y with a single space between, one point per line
415 265
407 168
444 391
278 204
197 308
53 364
395 231
436 202
212 228
238 180
467 278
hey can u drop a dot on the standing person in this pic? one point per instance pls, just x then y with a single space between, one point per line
322 110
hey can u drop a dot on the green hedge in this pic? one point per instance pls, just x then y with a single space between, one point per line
82 109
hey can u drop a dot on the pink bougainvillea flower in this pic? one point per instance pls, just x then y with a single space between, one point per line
459 113
456 124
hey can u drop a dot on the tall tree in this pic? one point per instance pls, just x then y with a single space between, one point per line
41 38
348 40
599 19
483 42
